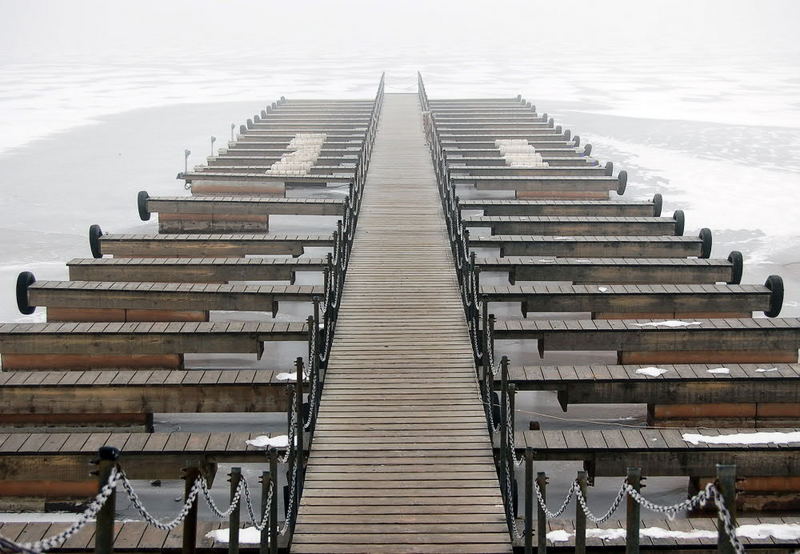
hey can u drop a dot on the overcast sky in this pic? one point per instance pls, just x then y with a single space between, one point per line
94 30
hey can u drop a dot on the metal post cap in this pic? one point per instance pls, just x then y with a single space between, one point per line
108 453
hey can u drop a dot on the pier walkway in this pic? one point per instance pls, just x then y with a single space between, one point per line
401 459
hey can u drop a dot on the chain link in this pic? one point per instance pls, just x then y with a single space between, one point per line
170 525
623 490
213 505
259 523
89 514
543 504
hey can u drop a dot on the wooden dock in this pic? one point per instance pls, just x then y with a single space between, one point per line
390 464
402 417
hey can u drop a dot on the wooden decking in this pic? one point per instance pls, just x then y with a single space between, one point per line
391 463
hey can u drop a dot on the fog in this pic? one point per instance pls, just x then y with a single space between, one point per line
696 99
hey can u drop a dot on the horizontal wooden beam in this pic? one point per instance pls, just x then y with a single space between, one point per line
193 246
665 384
506 170
132 295
608 246
641 299
145 338
578 225
497 161
192 270
110 391
583 183
68 456
598 208
238 205
726 338
657 452
617 270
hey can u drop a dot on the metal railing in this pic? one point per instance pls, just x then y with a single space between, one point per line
499 408
301 419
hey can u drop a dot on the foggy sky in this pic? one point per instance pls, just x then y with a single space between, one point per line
103 30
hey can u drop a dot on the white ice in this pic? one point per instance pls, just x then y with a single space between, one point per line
651 371
780 531
288 377
761 437
719 371
248 535
668 323
280 441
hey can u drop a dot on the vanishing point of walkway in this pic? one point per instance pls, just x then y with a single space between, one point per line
401 459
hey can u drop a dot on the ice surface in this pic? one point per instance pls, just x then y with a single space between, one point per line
668 323
281 441
719 371
248 535
651 371
762 437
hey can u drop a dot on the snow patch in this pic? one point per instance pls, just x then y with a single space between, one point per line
651 371
782 531
719 371
668 323
766 370
602 289
248 535
288 377
280 441
761 437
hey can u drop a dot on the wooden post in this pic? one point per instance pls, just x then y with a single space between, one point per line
529 494
541 517
299 430
266 479
104 534
190 475
510 454
273 507
633 511
726 485
503 427
580 517
233 519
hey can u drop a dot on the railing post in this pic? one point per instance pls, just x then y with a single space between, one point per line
633 511
580 517
273 507
266 480
299 429
726 485
190 475
104 534
512 391
233 520
528 500
541 517
503 427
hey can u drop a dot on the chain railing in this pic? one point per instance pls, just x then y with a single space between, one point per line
721 493
301 418
500 409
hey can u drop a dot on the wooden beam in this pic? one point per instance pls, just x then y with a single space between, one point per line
191 270
605 271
